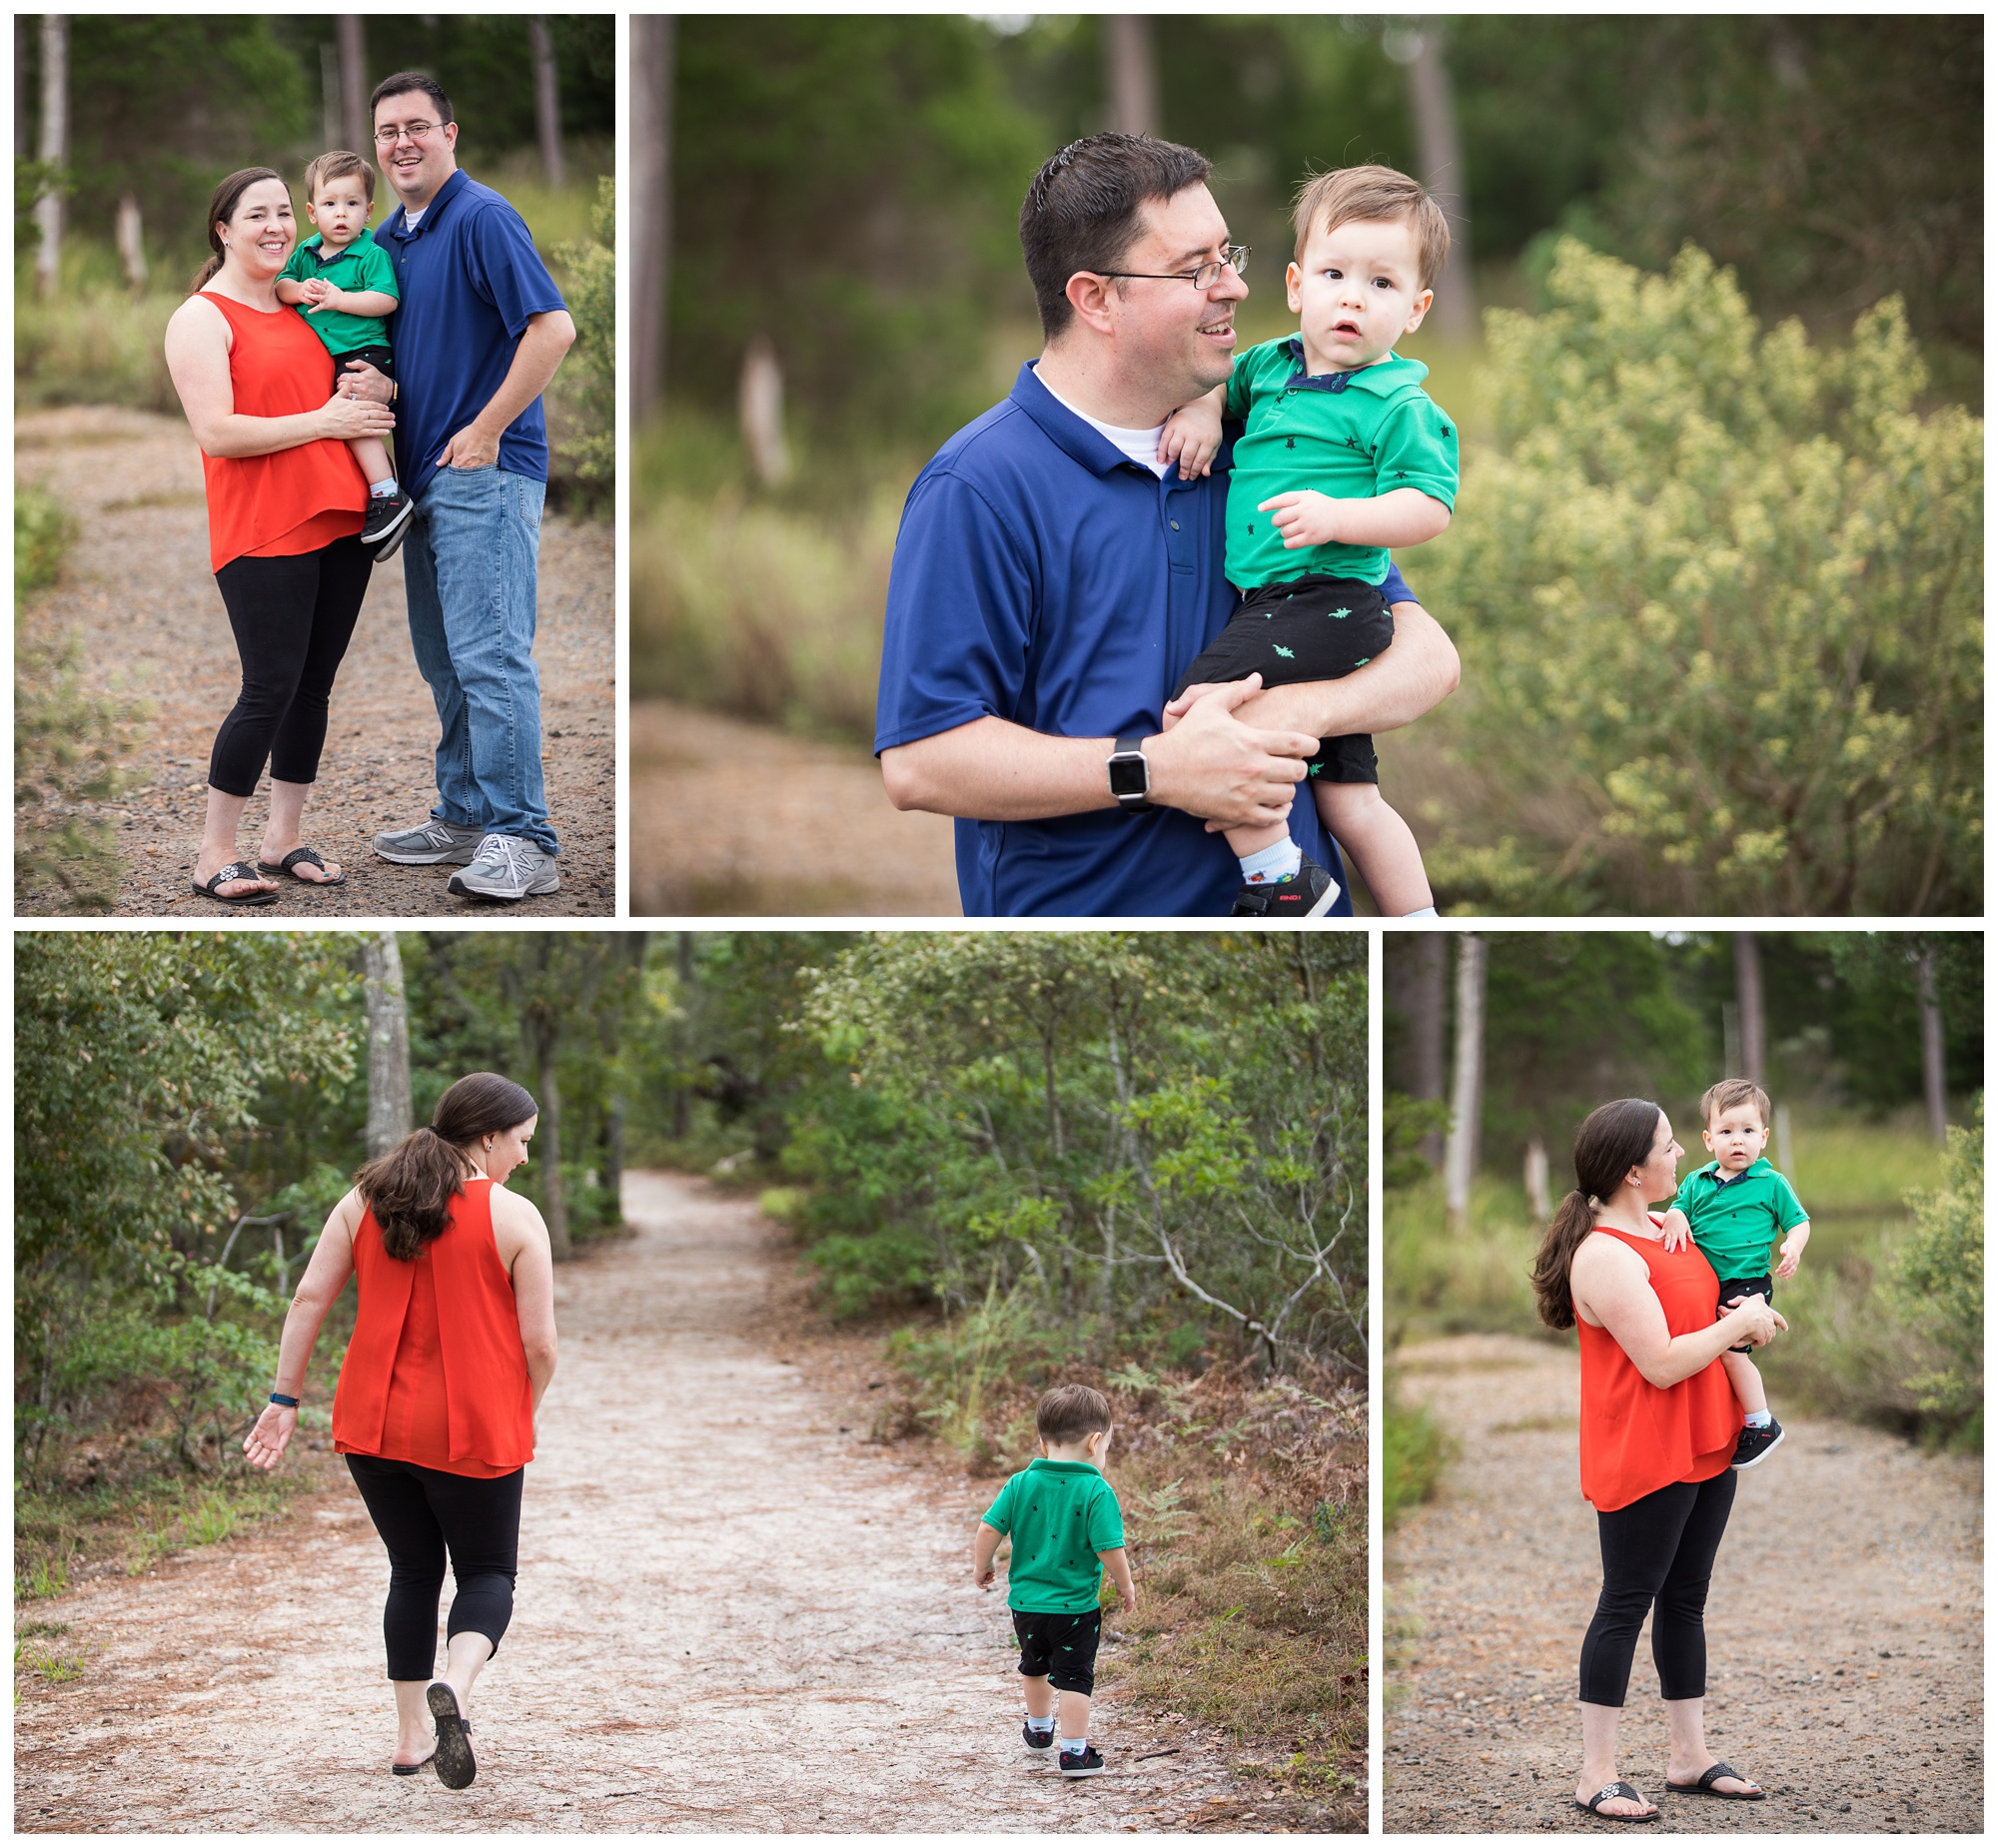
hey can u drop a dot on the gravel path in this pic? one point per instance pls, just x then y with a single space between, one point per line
139 586
731 819
1845 1624
732 1617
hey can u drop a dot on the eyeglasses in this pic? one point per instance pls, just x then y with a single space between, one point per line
1236 259
416 131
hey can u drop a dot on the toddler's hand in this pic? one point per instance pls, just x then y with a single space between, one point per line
1679 1235
1792 1249
1305 518
983 1580
1191 437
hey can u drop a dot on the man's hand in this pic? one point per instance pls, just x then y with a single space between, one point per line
1211 765
1792 1249
1305 518
360 380
1678 1233
472 447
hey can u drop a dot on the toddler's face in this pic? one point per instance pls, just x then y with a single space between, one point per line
1736 1136
1356 290
339 209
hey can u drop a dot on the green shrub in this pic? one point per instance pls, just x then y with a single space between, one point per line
44 532
1414 1450
586 390
1718 598
1939 1276
99 345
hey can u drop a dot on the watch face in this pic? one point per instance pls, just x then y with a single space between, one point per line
1130 775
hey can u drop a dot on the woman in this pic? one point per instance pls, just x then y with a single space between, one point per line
285 505
454 1344
1659 1425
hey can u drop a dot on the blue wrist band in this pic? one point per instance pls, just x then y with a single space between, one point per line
281 1399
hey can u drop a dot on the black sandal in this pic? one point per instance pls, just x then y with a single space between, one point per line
456 1766
1704 1787
1620 1789
409 1770
292 859
233 871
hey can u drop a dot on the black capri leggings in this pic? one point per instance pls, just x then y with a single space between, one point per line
420 1512
1660 1548
292 619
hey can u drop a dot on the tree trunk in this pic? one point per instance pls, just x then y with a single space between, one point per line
760 401
613 1155
1537 1179
387 1042
23 105
1748 997
1425 1019
554 1200
1935 1093
356 130
132 242
53 152
1132 73
1441 156
547 102
1459 1156
331 122
651 206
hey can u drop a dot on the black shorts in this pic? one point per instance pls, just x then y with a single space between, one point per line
1060 1645
1308 628
382 359
1732 1286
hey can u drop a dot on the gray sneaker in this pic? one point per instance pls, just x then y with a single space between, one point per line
436 843
506 867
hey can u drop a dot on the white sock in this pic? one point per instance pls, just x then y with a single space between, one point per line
1756 1419
1041 1722
1427 911
1075 1747
1272 863
383 490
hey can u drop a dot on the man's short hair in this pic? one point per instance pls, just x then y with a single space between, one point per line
1348 194
1728 1095
1082 211
337 166
1070 1413
402 83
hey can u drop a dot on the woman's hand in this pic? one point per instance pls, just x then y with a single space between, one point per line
347 418
1756 1320
269 1436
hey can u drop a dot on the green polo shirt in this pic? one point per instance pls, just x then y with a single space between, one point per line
1736 1221
363 263
1061 1515
1352 435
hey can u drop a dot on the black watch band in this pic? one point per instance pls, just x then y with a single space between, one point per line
284 1399
1130 775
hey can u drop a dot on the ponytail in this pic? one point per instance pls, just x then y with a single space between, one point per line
1612 1140
409 1189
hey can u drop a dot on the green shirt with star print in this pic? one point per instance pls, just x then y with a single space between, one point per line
1061 1515
1353 436
1736 1221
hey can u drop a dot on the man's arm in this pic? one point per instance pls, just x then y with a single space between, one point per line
1209 764
547 336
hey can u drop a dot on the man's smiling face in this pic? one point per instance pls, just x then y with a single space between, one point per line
1180 337
416 166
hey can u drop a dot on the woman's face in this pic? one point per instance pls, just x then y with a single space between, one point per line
261 235
506 1150
1659 1174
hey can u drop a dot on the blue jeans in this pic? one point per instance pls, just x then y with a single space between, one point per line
468 571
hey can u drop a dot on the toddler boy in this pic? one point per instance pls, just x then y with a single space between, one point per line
343 284
1343 455
1734 1208
1067 1532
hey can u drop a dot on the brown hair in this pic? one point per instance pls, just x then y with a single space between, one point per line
409 1189
221 209
1612 1140
1081 213
1346 194
1728 1093
1070 1412
405 82
337 166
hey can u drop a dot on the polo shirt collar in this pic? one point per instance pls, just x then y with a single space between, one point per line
1051 1465
1759 1166
398 226
1094 451
1383 376
318 241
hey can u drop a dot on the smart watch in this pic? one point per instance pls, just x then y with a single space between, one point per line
1130 775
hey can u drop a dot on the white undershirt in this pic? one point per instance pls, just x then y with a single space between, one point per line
410 218
1141 446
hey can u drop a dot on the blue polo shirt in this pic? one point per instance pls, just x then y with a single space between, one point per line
1043 578
471 278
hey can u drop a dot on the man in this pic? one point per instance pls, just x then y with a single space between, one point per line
478 334
1049 586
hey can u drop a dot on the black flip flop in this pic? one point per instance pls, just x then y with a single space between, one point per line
455 1767
1620 1789
1704 1787
409 1770
292 859
233 871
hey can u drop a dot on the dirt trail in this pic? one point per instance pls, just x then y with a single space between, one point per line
1844 1627
138 585
734 819
732 1616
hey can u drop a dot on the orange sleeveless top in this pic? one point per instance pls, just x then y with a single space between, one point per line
292 500
1637 1437
436 1374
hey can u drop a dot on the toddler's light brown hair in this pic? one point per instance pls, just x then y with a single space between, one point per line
337 166
1347 194
1070 1413
1729 1093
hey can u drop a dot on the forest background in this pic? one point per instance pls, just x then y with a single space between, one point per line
1712 331
1002 1160
1871 1047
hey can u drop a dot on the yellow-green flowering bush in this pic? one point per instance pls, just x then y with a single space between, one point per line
1718 595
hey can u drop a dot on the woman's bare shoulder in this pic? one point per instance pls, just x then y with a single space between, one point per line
516 1213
